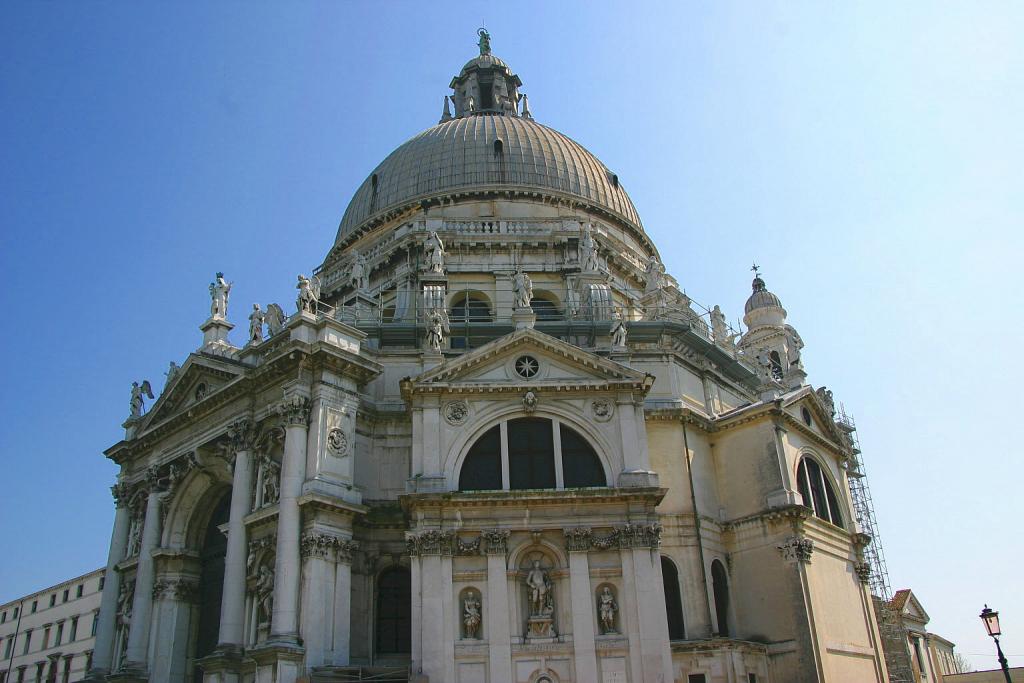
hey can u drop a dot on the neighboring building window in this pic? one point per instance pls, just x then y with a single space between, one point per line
28 641
673 599
3 677
65 595
35 605
53 600
696 678
39 671
528 450
15 615
78 591
67 669
46 637
103 580
21 674
817 491
3 617
10 645
60 634
88 660
95 623
74 630
720 588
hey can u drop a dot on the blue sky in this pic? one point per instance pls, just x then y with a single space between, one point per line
867 155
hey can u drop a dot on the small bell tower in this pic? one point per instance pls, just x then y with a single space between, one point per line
769 341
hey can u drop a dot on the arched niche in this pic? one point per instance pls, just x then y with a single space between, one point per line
606 626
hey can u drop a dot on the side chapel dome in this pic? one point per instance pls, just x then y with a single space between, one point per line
491 143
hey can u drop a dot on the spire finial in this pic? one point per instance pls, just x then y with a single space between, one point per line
484 42
757 270
446 115
758 284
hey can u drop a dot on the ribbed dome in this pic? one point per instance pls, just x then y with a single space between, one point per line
484 62
462 154
761 297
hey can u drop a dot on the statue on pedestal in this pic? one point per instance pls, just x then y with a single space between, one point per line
618 332
220 290
539 585
256 319
358 275
606 609
522 289
655 274
720 328
309 294
437 329
138 391
274 318
434 254
589 262
471 615
172 372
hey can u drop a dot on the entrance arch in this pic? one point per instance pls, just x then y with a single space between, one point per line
211 582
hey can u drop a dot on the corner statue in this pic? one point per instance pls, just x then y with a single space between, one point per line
435 253
256 319
138 391
219 293
522 289
309 294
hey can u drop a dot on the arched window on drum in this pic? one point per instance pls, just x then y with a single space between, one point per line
817 491
531 453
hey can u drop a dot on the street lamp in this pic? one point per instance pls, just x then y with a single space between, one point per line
991 620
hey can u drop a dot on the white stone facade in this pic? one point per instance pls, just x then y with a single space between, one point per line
495 442
47 637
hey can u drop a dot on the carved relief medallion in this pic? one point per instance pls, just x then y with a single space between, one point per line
602 409
337 442
456 412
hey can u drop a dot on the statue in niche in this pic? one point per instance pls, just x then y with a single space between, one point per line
309 294
538 584
522 289
271 483
655 275
138 391
618 332
720 328
275 319
358 275
471 615
220 290
588 250
437 329
134 536
434 252
125 598
265 592
470 104
256 319
606 609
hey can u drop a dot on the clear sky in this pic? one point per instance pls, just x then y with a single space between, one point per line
867 155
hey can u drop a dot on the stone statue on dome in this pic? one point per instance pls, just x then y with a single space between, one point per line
358 275
435 254
655 275
589 262
522 289
256 319
485 41
309 294
138 391
220 290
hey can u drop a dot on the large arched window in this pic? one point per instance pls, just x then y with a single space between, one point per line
817 491
544 307
530 453
394 622
720 588
467 308
673 600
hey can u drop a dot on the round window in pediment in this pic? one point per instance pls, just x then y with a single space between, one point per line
527 367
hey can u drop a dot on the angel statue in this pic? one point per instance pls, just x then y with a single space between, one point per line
309 294
358 275
138 391
256 319
435 254
219 293
522 289
437 330
274 318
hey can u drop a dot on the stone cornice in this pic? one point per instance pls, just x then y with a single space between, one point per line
321 501
649 496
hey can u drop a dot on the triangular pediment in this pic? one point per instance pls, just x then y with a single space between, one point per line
559 364
822 420
915 611
196 380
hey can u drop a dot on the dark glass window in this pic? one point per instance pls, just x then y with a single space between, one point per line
720 587
482 469
544 309
531 454
673 600
394 622
817 492
580 465
470 308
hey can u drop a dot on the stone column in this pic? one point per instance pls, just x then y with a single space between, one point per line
318 556
173 599
232 611
583 603
103 651
432 615
284 625
651 657
497 607
142 607
342 645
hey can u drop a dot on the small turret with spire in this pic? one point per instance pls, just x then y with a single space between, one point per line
771 343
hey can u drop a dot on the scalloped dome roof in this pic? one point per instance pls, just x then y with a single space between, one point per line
461 154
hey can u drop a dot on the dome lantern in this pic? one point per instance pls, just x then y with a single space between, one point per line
486 85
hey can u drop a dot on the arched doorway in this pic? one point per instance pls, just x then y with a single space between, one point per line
394 613
211 582
673 600
720 588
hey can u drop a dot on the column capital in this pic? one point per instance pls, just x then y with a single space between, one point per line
796 549
294 410
242 433
430 542
496 541
639 536
578 539
178 590
121 493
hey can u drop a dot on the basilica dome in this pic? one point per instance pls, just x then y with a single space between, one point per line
486 147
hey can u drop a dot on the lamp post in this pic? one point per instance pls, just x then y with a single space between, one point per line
991 620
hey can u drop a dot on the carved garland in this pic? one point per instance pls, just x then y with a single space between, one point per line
324 546
797 549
